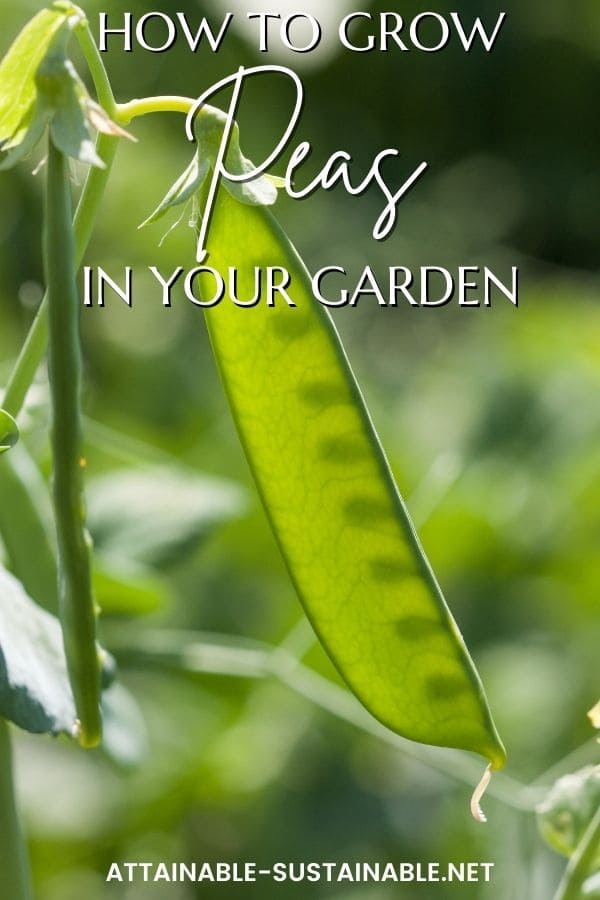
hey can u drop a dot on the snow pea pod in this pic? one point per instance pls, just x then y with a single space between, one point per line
328 491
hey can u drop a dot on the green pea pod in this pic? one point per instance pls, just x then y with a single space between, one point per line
340 522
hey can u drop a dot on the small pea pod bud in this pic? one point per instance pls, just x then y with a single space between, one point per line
9 431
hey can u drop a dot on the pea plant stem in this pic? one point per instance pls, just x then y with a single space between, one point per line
76 601
99 75
13 857
580 864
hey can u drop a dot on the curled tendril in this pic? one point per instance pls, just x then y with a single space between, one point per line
9 431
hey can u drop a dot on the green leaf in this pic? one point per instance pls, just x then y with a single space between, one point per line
9 431
34 687
340 522
18 68
35 692
26 521
208 127
568 809
154 515
74 113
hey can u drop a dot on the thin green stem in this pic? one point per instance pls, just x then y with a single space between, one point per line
92 194
31 355
104 92
580 864
76 601
125 112
13 855
34 348
585 754
240 658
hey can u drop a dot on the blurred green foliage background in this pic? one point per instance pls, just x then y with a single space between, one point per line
490 418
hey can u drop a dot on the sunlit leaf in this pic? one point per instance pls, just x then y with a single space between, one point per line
182 189
18 68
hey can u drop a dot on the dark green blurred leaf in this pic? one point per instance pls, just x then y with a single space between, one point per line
34 687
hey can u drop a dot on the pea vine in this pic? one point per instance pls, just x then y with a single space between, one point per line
373 602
